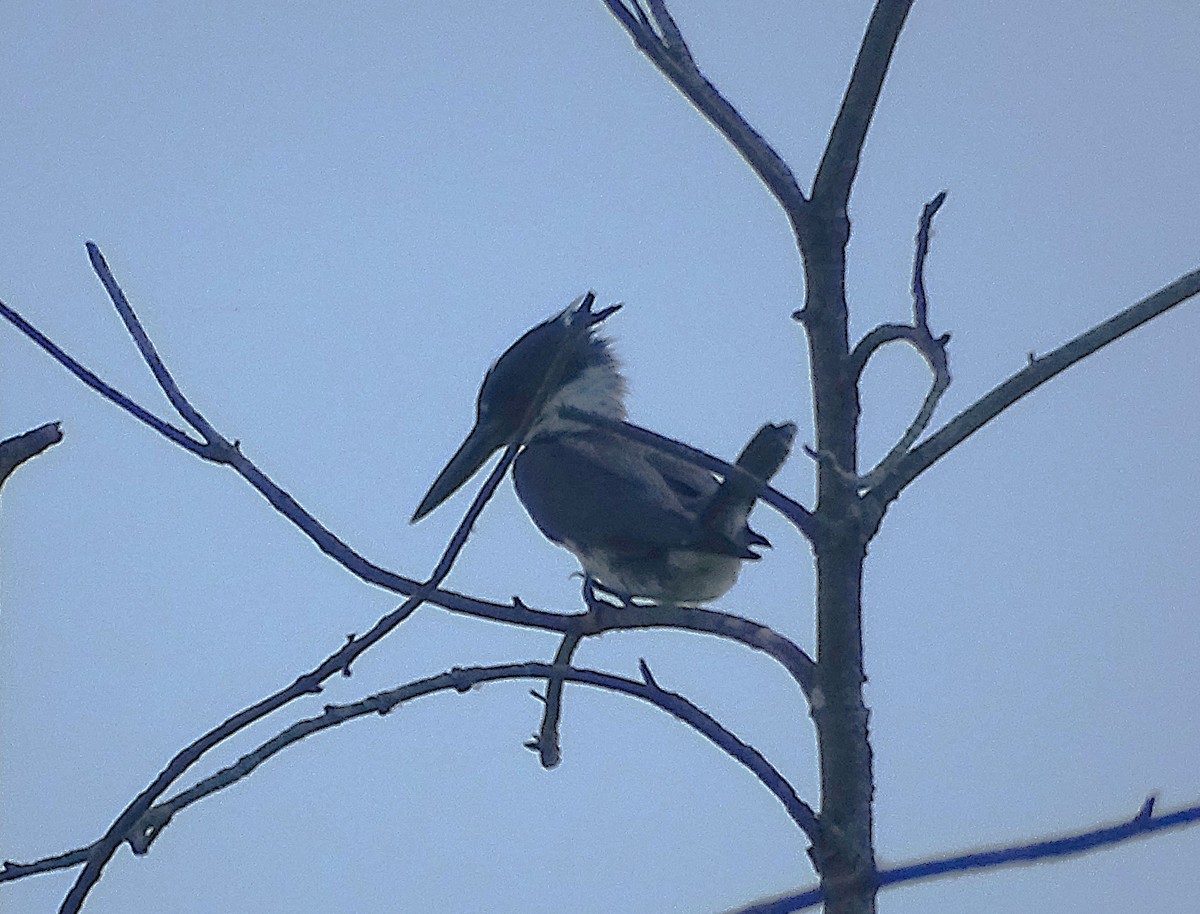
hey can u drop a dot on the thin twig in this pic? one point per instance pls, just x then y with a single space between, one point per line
186 410
547 742
107 391
925 229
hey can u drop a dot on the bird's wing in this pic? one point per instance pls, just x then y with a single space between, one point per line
596 489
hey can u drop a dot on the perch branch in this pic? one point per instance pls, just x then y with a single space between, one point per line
751 634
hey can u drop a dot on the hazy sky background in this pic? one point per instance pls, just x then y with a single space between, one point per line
332 221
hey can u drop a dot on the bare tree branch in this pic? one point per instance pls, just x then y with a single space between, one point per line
1142 825
11 870
547 743
886 333
752 634
670 53
839 164
1038 372
16 450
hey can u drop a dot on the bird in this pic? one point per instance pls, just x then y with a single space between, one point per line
643 523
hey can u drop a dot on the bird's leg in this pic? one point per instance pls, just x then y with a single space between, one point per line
591 598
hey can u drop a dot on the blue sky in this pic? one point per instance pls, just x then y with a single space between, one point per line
332 223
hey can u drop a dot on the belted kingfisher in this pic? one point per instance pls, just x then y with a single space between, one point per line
642 522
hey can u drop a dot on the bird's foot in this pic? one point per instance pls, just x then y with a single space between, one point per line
592 589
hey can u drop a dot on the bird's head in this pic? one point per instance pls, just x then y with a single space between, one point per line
560 362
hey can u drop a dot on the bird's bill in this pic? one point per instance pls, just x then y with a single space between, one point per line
479 445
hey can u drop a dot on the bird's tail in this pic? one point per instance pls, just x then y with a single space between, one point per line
761 458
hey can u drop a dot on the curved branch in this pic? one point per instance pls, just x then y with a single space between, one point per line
921 338
1142 825
708 621
669 52
142 833
934 353
876 339
1037 373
